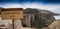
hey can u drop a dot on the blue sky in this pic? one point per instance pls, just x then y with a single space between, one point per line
44 1
51 5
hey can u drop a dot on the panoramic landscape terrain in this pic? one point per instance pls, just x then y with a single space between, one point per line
29 14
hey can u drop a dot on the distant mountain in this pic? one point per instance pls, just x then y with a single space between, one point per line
35 11
30 11
49 12
57 11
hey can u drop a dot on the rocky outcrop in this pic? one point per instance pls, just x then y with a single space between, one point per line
55 25
38 15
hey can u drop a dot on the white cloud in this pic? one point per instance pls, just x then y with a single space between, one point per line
42 6
31 5
11 6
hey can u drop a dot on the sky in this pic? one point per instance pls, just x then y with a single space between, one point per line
51 5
